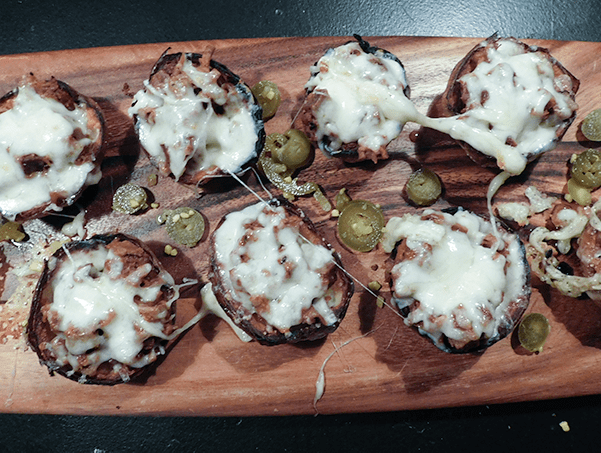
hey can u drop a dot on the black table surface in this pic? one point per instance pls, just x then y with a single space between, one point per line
37 25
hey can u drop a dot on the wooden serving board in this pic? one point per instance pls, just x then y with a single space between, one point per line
388 366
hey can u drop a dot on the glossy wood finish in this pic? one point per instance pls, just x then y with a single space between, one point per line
388 366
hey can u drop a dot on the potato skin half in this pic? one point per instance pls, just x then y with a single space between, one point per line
70 98
349 152
512 314
167 65
40 332
256 326
453 94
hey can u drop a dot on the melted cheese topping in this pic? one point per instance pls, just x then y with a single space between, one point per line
270 268
517 87
94 311
45 127
185 133
463 287
354 83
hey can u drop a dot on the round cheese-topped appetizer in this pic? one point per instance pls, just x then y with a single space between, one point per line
345 112
275 276
516 101
50 147
459 281
103 310
196 119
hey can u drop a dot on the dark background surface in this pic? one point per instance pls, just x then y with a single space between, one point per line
36 25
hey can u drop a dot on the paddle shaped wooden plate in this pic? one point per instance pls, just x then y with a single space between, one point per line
384 365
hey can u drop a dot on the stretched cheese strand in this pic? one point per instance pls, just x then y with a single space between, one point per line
211 305
397 106
493 188
363 99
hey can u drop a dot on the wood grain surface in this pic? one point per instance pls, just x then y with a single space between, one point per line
387 366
